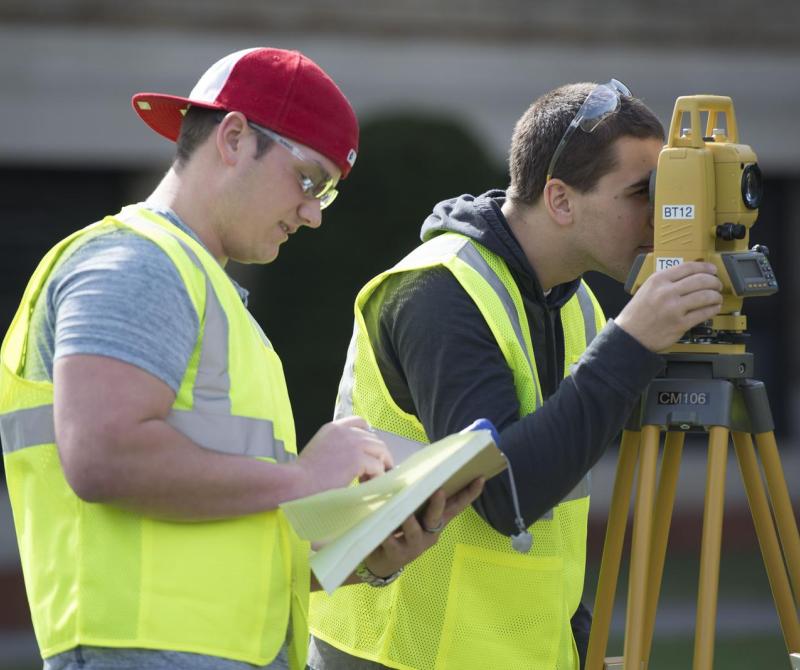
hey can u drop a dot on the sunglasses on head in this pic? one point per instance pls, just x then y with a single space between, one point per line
602 102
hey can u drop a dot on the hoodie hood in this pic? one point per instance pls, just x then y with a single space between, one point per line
481 219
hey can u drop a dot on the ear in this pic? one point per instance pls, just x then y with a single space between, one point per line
556 197
228 137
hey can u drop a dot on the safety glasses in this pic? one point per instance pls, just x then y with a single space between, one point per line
599 104
314 179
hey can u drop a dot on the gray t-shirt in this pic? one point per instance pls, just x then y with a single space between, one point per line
119 295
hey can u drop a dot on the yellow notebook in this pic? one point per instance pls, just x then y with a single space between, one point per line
347 524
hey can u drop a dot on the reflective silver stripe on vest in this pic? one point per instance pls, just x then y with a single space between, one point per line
587 309
212 386
581 490
27 428
470 255
260 331
34 426
584 487
344 399
226 434
210 423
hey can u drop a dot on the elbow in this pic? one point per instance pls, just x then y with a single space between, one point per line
86 473
88 485
503 523
496 512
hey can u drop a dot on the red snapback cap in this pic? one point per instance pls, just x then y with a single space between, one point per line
281 90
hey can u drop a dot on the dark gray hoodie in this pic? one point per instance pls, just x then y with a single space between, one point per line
442 364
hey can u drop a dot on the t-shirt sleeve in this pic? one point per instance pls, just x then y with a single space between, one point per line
119 295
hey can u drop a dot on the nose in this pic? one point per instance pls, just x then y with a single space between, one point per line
310 213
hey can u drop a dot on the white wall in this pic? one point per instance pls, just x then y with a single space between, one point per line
66 91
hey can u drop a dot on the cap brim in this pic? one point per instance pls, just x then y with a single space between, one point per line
164 113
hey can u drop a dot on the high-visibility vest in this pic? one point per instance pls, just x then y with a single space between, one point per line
471 601
101 575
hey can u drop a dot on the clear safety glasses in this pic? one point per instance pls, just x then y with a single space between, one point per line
314 179
599 104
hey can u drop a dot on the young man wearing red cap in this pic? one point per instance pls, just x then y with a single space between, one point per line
146 428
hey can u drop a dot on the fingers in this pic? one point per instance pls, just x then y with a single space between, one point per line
416 536
698 282
378 450
375 458
700 300
441 509
370 468
463 498
378 458
670 303
703 313
352 421
401 548
340 451
434 510
678 272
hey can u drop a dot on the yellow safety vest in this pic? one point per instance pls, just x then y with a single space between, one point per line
471 601
100 575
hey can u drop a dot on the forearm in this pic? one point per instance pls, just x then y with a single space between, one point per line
552 449
116 446
154 469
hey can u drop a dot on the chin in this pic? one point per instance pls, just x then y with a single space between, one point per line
267 255
619 274
258 259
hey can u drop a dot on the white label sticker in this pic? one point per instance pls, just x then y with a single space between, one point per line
664 263
680 212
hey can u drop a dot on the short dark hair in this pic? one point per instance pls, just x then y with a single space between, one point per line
198 123
587 157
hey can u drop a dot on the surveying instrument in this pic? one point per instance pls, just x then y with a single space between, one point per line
706 193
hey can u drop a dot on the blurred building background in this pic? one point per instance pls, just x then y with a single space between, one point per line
438 86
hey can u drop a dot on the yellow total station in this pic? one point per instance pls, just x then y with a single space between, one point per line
705 193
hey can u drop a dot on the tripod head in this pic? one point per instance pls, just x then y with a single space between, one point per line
706 193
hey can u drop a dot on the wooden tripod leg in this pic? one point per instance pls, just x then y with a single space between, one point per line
782 507
665 501
767 540
710 549
640 546
612 551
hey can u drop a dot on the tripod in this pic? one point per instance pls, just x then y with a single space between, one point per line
709 388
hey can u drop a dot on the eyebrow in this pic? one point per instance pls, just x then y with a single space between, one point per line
313 163
644 181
